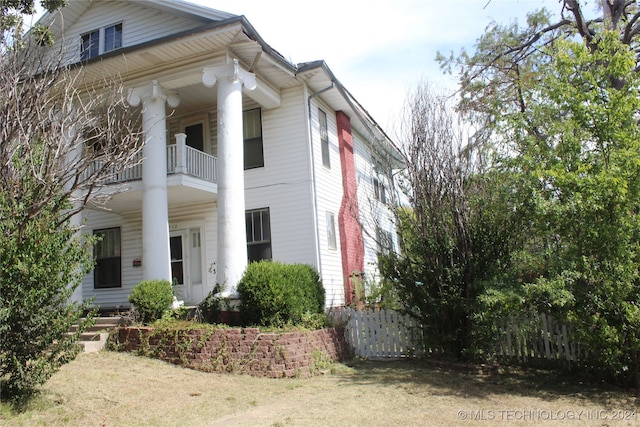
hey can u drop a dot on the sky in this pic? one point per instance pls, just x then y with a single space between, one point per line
378 49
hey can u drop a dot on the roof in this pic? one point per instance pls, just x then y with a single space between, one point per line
219 31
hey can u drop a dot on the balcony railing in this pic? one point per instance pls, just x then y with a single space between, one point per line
181 159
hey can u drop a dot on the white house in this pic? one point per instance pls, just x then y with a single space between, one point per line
246 155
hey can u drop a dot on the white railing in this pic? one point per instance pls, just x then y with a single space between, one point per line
112 175
181 159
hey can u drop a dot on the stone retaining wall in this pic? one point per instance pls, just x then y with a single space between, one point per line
238 350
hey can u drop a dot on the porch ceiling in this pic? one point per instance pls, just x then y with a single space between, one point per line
182 191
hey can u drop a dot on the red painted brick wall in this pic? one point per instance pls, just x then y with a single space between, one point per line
350 233
247 350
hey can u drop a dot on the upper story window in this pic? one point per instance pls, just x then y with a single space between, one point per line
252 133
101 41
324 138
90 45
379 181
379 190
384 241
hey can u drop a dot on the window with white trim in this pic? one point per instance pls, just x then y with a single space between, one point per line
108 269
100 41
252 134
324 138
384 241
379 181
258 225
331 231
379 190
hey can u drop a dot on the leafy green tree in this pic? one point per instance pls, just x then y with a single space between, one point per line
557 102
12 17
59 142
582 187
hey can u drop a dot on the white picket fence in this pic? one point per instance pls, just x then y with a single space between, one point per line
380 334
540 338
386 334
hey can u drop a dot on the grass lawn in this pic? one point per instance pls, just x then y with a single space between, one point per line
119 389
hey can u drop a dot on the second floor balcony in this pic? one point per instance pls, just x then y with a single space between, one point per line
181 160
191 178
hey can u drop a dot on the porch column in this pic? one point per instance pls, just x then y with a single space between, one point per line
232 239
156 259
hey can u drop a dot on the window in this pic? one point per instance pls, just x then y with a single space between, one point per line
252 133
111 40
107 272
379 190
379 187
331 231
177 260
258 226
90 45
384 241
195 136
324 138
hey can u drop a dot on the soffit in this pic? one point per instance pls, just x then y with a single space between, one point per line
177 61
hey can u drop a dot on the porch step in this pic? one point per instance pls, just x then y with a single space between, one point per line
94 338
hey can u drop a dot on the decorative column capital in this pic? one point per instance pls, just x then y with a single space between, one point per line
232 72
152 91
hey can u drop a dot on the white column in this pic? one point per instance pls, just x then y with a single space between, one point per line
232 240
75 157
156 259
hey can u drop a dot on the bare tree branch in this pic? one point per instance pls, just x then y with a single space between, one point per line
67 137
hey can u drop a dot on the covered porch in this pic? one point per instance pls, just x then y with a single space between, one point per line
217 71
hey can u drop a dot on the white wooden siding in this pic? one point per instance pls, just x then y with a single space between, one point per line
284 184
329 197
184 218
372 212
131 248
139 24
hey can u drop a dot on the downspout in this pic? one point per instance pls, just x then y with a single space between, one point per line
313 176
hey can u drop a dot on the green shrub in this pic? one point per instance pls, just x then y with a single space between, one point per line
151 298
275 294
208 310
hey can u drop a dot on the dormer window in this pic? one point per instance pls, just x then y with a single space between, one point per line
113 37
100 41
90 45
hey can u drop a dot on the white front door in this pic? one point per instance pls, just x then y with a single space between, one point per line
194 256
186 265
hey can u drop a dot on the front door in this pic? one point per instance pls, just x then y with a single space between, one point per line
186 265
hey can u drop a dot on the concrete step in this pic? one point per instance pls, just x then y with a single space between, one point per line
95 345
95 337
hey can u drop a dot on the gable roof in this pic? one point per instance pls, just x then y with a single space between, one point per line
219 30
74 10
